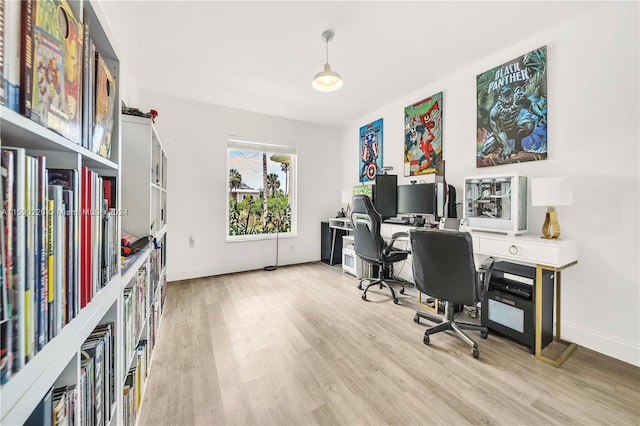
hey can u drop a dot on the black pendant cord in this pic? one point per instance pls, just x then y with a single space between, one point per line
274 267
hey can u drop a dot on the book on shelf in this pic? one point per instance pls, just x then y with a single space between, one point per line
57 260
5 307
93 348
69 180
106 332
73 51
60 409
87 389
11 69
25 59
2 51
47 100
85 243
88 82
45 327
105 103
43 414
55 90
14 161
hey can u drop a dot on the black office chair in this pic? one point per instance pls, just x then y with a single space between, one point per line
443 267
370 246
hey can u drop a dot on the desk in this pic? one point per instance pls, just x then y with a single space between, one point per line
551 255
335 223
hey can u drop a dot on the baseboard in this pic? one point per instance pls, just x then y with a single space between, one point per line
607 345
227 269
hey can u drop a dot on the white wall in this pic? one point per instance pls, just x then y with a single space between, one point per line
195 138
593 137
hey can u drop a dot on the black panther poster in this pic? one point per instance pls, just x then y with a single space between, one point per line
512 111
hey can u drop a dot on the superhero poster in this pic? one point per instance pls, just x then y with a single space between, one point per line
423 136
370 150
512 111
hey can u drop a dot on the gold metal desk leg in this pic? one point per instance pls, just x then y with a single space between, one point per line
571 347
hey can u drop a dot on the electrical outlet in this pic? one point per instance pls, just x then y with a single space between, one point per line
192 241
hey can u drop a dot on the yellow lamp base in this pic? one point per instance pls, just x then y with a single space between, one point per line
551 227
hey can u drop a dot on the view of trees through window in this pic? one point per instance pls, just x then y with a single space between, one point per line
260 195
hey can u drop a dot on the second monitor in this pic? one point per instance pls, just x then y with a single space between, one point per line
416 199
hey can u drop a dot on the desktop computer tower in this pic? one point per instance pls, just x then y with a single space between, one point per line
509 304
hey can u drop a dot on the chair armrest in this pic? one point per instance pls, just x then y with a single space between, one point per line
395 237
484 274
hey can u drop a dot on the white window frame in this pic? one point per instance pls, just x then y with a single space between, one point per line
234 143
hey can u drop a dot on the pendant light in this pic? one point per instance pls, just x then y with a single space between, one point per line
327 80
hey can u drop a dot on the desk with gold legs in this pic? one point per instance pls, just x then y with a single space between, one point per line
551 255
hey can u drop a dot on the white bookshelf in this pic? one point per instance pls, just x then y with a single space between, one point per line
58 362
144 197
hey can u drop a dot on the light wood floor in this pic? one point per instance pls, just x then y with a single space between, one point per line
298 346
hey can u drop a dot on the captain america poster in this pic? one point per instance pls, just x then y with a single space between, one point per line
512 111
370 150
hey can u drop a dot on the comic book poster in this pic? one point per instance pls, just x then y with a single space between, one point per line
423 136
370 150
48 104
55 23
512 111
105 108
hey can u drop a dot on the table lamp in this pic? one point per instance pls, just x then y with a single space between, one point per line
551 192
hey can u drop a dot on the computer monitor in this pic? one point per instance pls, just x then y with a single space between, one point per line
385 195
416 199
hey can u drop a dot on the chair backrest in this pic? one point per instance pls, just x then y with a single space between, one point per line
443 265
366 222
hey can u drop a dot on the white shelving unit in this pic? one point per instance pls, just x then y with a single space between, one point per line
58 362
145 174
144 196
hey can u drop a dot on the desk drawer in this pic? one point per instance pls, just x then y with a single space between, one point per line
519 251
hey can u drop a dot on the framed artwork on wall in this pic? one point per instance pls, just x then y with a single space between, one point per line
512 111
370 161
423 136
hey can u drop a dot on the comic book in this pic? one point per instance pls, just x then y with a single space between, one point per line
47 107
57 68
105 108
73 51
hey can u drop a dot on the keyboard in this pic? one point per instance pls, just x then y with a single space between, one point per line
394 221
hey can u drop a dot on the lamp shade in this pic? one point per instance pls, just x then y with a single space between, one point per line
327 80
551 191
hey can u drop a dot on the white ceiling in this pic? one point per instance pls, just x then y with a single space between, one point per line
261 56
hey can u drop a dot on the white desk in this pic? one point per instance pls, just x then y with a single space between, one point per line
338 223
544 254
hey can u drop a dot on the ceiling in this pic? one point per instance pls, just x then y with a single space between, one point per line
261 56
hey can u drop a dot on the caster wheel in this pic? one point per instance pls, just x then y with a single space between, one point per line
416 319
475 352
402 290
426 340
484 334
395 301
360 286
364 297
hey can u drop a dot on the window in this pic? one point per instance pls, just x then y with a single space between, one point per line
261 190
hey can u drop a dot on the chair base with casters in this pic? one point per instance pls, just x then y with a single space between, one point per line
447 322
382 282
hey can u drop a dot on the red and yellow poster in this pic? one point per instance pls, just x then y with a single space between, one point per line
423 136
